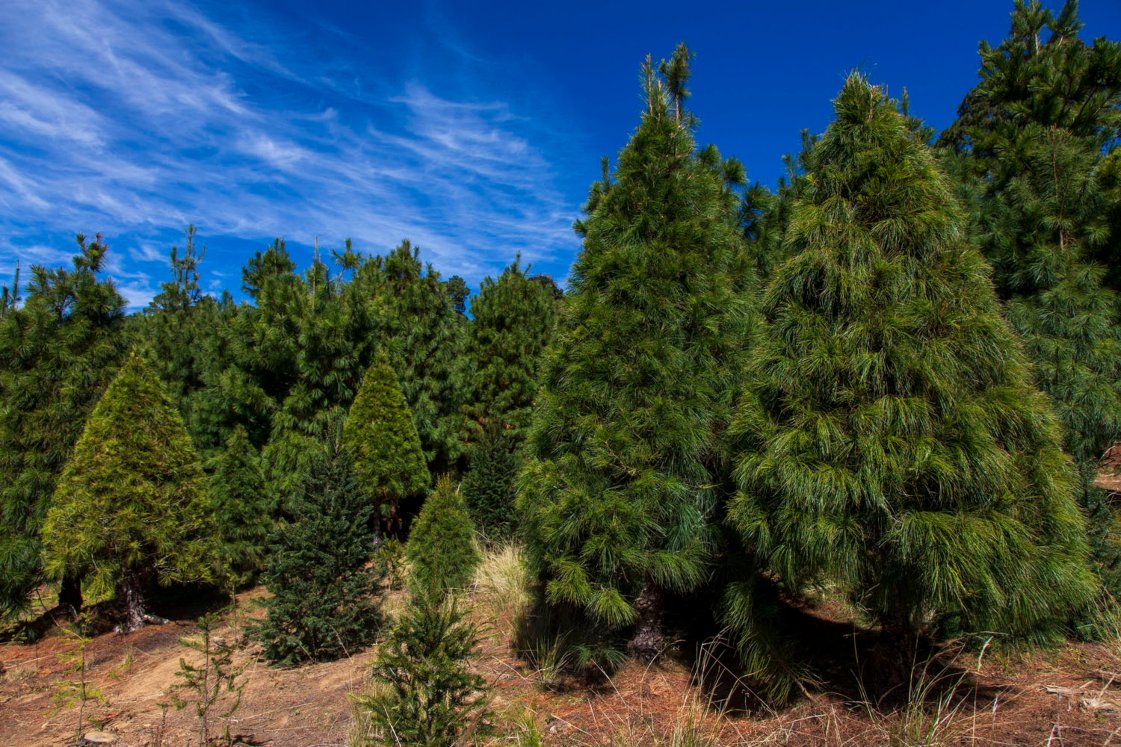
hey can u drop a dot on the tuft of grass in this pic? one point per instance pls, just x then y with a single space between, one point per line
929 717
502 586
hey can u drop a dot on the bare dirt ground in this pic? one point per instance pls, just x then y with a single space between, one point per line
1061 697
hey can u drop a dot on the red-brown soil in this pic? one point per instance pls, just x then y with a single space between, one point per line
1059 697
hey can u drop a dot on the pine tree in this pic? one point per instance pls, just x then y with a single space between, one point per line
324 600
513 322
130 506
416 322
242 512
58 352
490 485
890 437
386 450
1031 140
425 691
441 548
618 493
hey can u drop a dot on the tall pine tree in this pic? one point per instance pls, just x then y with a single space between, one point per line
1031 142
618 492
891 437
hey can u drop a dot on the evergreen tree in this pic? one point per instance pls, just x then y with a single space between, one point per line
324 594
416 322
425 691
58 352
513 322
618 493
441 548
383 441
182 330
1031 140
130 506
890 437
490 485
242 513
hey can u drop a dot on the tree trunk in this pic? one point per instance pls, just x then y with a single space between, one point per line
131 592
649 640
70 593
135 616
892 662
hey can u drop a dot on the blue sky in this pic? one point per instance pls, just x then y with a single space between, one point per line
473 129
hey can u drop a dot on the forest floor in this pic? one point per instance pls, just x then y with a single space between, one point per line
1058 697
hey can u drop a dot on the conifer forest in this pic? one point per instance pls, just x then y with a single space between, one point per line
827 462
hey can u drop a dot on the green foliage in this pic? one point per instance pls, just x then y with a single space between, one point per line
241 510
490 485
891 437
1031 140
441 548
58 352
383 440
130 505
324 600
425 693
513 322
618 492
416 321
206 684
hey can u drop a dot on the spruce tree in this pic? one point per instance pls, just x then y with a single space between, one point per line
490 485
441 548
58 352
1031 141
324 601
242 511
618 490
384 444
130 506
890 437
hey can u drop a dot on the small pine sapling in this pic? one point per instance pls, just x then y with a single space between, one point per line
215 679
76 689
425 693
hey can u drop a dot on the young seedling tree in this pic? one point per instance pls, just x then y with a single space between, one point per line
324 602
382 439
891 437
425 692
212 686
130 507
618 495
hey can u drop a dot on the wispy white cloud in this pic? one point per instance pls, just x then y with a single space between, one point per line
136 119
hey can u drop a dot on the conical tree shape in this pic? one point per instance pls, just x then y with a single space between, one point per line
891 436
242 514
325 594
617 494
383 440
1032 140
441 548
130 506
